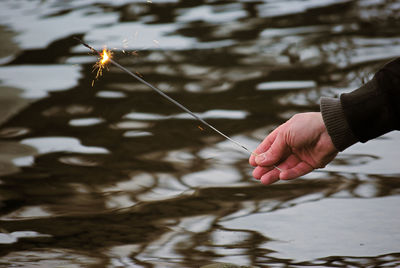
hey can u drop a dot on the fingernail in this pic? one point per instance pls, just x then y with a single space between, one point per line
260 158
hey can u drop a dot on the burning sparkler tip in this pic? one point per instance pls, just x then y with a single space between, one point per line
105 56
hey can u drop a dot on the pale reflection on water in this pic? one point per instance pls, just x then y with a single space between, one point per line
360 227
115 176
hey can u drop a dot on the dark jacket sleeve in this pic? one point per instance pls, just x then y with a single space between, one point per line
367 112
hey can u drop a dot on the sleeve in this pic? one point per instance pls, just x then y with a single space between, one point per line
367 112
336 123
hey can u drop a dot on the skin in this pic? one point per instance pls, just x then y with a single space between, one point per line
297 147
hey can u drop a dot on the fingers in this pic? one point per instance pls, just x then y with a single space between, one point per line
296 171
263 147
275 153
258 172
266 175
292 168
270 177
252 159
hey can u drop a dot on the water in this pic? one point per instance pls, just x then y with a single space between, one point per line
116 176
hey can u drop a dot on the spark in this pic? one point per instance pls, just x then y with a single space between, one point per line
106 57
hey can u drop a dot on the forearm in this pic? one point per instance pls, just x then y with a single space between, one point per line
366 113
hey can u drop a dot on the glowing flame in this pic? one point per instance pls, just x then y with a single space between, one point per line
105 56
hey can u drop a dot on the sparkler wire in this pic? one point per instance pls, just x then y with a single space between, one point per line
159 91
177 104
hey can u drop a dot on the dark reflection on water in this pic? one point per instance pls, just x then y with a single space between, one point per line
113 175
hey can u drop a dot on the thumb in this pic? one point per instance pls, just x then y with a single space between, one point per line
274 154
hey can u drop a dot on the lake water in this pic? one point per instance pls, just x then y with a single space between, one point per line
113 175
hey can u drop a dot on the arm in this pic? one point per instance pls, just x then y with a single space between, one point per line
311 140
367 112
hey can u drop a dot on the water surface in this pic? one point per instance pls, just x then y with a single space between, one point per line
115 176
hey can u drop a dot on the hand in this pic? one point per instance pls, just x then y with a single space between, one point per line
297 147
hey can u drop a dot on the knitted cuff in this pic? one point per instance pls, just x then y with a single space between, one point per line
336 123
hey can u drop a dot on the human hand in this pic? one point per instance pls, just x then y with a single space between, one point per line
297 147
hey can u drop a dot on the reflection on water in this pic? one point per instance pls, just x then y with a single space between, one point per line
115 176
363 235
37 80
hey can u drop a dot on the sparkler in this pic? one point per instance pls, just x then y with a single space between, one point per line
105 57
